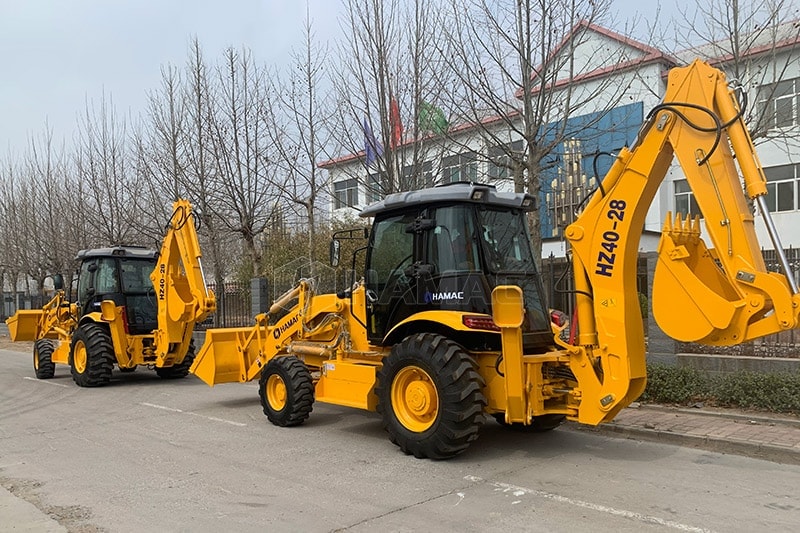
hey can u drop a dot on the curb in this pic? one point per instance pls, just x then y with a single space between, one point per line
763 418
767 452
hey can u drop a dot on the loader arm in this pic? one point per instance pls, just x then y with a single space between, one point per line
55 320
181 291
720 295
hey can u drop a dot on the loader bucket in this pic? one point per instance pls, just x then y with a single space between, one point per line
222 359
24 325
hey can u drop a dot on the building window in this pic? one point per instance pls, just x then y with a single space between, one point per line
685 204
345 193
375 188
416 177
782 188
500 164
779 103
459 167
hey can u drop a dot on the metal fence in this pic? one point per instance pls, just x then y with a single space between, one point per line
234 301
559 285
233 306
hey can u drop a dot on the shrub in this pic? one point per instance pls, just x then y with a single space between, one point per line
668 384
777 392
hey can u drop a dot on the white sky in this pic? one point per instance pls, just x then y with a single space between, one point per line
57 54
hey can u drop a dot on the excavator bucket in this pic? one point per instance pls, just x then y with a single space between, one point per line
24 325
223 357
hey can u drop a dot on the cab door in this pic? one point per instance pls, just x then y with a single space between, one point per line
391 284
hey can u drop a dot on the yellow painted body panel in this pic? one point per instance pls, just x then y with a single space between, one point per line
508 309
181 291
61 353
346 383
24 325
717 295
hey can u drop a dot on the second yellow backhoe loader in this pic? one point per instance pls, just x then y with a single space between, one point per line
134 307
449 322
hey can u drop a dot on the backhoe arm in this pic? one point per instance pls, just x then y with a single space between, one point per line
183 297
722 295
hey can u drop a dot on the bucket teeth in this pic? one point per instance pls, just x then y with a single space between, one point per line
682 231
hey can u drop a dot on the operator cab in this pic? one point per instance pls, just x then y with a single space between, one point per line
120 274
447 248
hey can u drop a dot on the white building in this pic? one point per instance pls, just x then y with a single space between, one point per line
609 63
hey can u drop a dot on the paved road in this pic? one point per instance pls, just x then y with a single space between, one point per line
148 455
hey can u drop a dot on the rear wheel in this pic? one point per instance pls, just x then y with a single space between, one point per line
539 424
429 395
286 391
43 363
180 370
91 358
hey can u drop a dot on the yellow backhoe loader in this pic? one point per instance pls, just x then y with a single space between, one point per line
134 307
449 322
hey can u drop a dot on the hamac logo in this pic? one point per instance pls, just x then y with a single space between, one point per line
436 297
280 330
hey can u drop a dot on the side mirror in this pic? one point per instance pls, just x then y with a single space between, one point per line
58 282
335 248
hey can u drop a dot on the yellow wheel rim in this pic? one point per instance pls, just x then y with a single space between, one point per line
415 401
36 359
276 392
79 357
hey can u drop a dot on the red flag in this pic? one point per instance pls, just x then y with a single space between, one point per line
394 123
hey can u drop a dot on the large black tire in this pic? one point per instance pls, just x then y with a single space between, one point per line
181 370
286 391
43 363
429 394
539 424
91 356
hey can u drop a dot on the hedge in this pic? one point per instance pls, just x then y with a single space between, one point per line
776 392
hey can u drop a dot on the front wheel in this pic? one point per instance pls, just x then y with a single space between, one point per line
91 358
429 395
43 364
286 391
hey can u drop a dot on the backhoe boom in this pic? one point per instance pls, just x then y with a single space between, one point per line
719 295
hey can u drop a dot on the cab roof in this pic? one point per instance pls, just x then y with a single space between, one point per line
134 252
478 193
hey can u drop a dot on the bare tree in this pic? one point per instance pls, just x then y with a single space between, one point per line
101 159
297 118
515 81
388 69
242 153
159 141
756 44
14 257
50 229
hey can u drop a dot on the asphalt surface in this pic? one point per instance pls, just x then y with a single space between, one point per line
763 436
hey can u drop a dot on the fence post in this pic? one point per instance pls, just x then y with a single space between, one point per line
259 296
661 348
